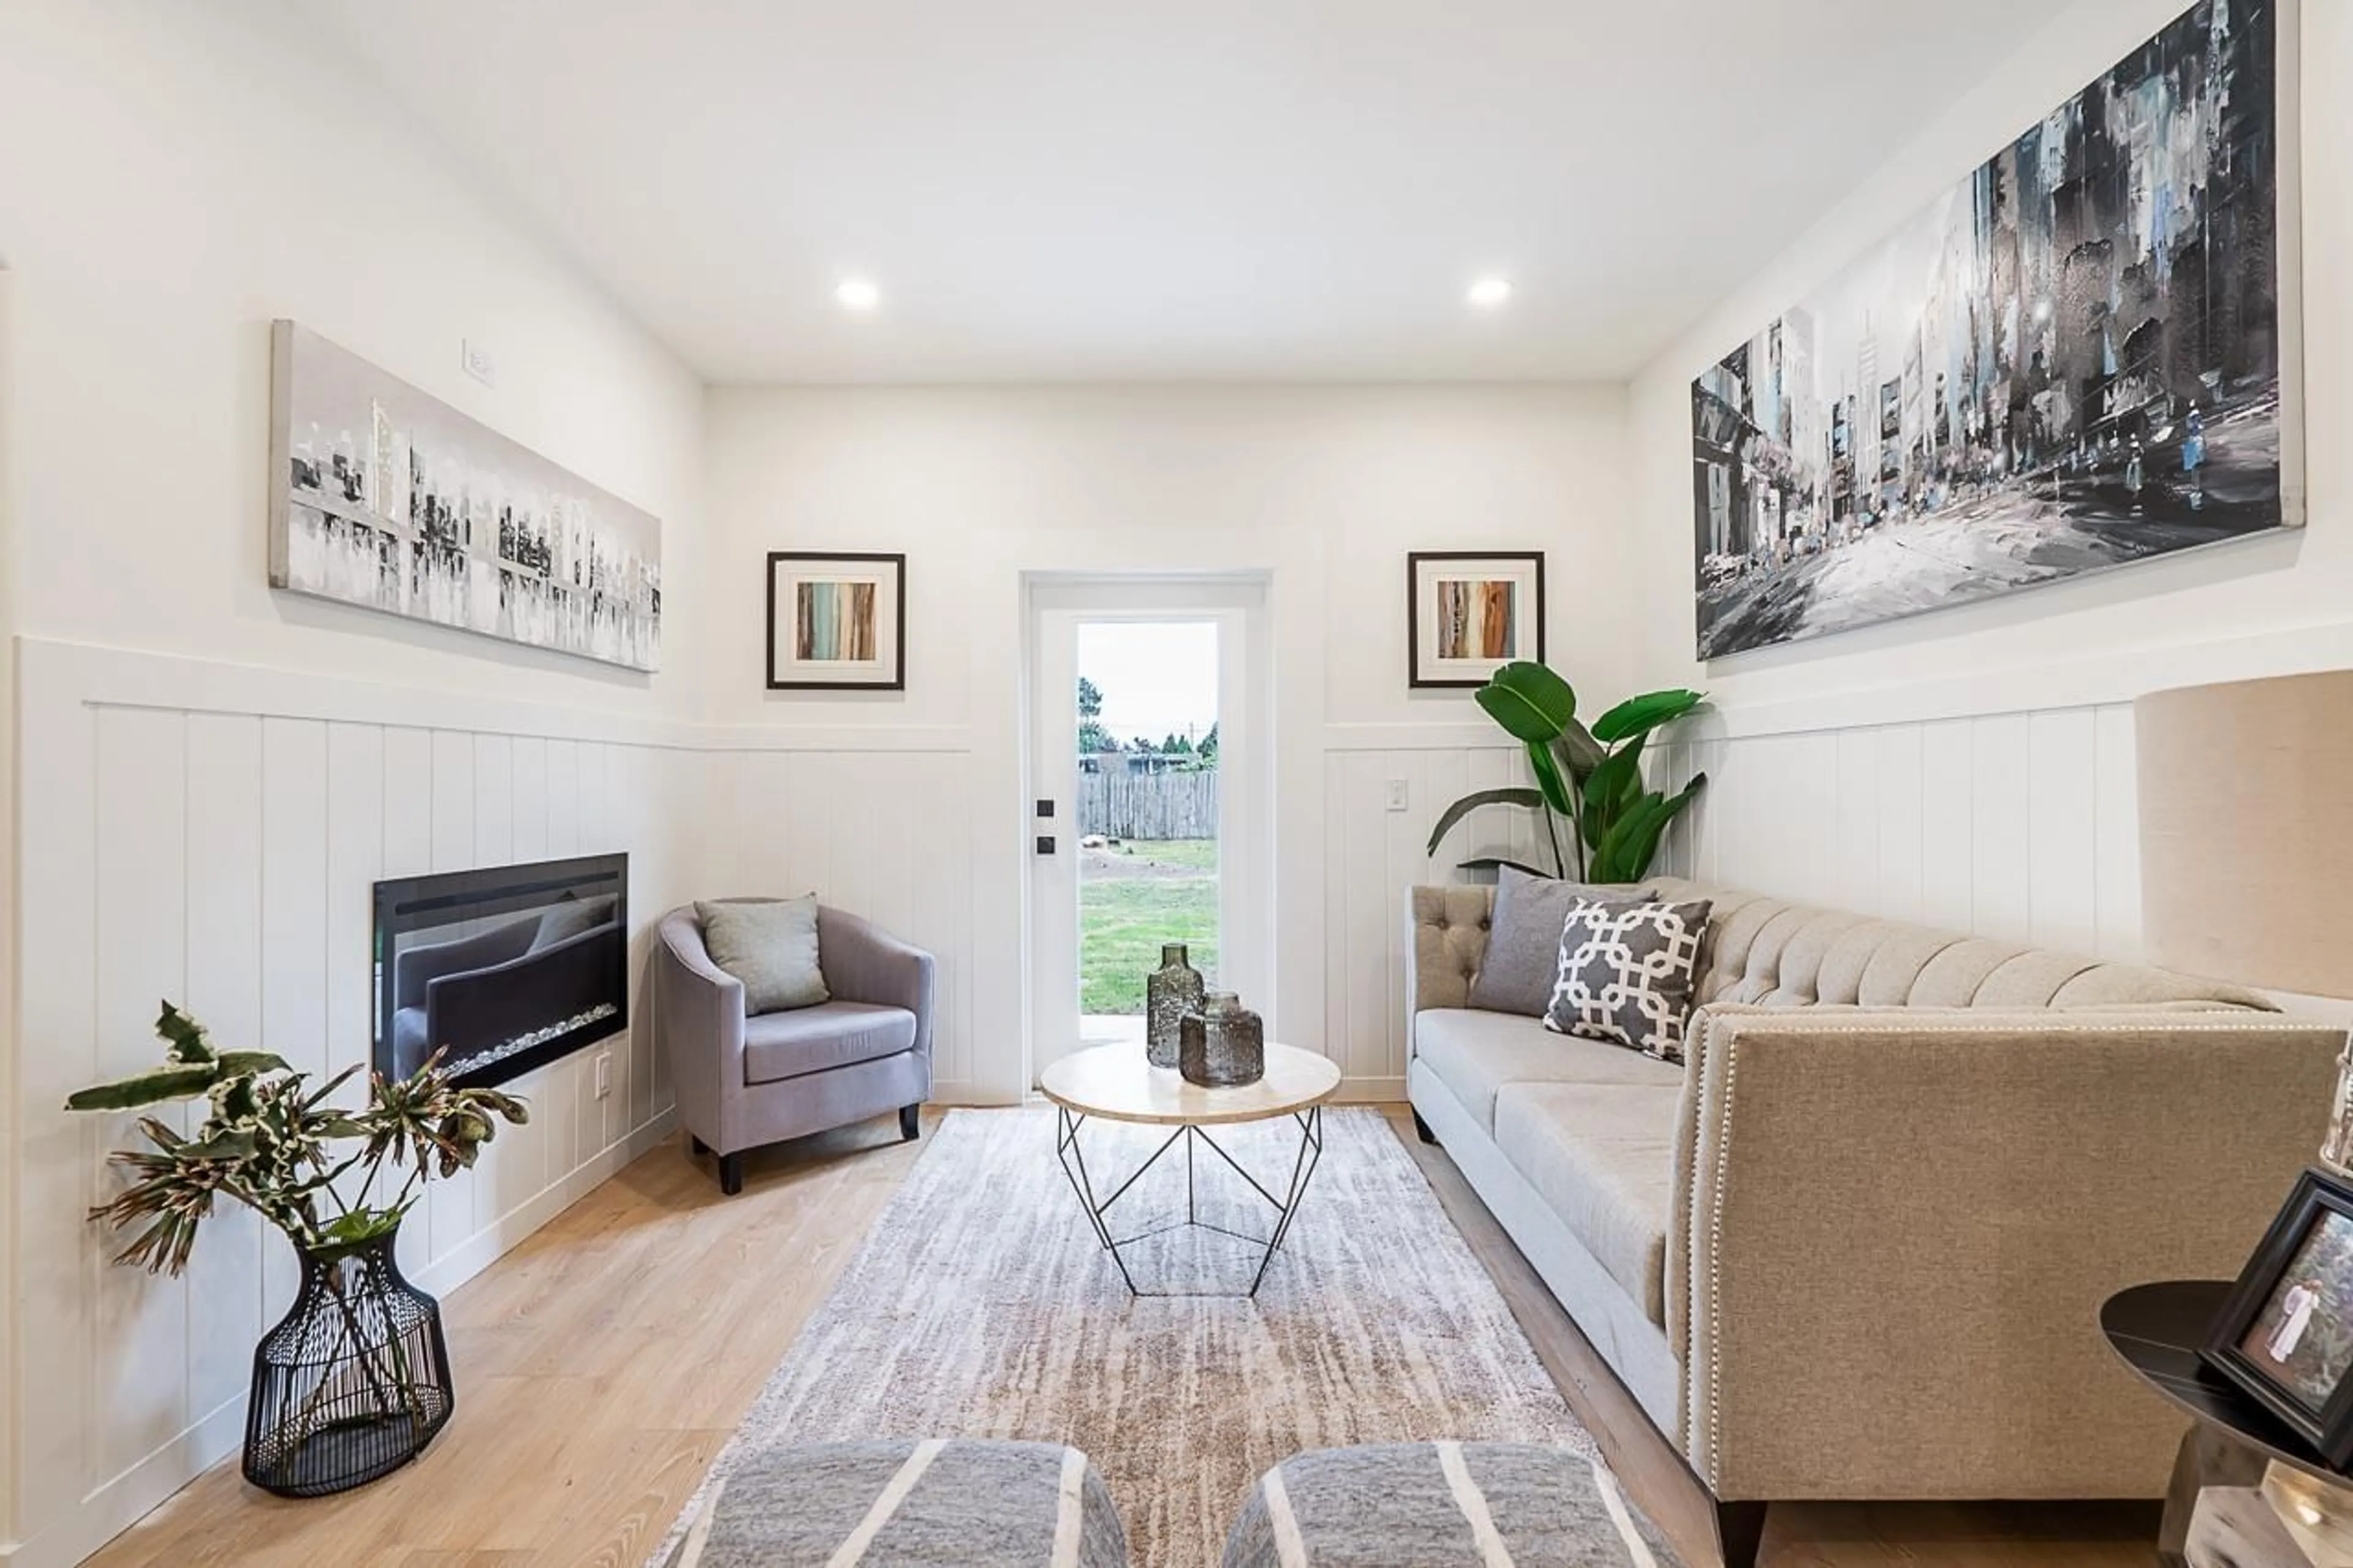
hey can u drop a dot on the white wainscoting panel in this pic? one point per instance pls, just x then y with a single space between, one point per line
1372 855
2020 825
203 834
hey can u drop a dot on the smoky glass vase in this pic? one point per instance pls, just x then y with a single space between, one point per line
1170 991
352 1383
1222 1044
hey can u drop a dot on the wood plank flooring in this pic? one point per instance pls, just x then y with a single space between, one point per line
602 1364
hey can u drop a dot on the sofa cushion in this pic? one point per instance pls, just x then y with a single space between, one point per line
1517 972
1601 1156
769 945
1626 969
815 1039
1474 1054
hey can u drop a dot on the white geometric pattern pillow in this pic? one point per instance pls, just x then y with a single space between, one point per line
1625 975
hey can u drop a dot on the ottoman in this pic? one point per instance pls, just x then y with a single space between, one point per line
1440 1505
905 1504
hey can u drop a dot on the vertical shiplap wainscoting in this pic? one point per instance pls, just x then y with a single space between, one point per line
2021 825
1373 852
874 820
209 833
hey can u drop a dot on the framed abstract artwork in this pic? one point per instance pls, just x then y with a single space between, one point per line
837 622
1468 613
385 497
2086 353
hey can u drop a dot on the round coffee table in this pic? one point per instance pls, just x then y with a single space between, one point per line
1115 1083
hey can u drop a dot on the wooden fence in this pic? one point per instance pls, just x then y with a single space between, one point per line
1149 805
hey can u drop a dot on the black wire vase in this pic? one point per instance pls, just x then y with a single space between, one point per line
352 1383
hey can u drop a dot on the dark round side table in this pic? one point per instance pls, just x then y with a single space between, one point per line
2157 1329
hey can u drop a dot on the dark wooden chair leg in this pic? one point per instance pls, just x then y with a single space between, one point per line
730 1173
698 1146
911 1122
1740 1531
1421 1130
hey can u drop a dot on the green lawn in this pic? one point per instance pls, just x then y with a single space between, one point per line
1156 892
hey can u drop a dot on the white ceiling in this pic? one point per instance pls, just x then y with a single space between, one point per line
1173 189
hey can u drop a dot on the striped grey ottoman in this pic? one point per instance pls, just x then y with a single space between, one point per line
1440 1505
904 1504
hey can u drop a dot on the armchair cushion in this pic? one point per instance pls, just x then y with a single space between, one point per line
769 945
830 1034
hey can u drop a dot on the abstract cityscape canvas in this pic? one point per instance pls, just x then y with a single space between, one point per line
2084 354
383 496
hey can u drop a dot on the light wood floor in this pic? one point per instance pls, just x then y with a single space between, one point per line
602 1364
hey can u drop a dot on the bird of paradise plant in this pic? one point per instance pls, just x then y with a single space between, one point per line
1590 779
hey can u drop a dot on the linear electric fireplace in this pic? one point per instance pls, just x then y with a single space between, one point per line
502 970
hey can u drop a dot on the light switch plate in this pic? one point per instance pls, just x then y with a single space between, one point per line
1400 798
478 362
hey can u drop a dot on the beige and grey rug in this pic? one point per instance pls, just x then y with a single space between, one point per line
982 1306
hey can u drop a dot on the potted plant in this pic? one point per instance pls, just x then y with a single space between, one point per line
354 1381
1589 779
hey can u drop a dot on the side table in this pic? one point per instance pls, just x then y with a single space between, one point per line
2271 1500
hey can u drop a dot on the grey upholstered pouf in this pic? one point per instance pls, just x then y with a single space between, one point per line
904 1504
1437 1505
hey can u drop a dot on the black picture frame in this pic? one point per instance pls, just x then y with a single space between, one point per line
1418 678
2319 1198
895 680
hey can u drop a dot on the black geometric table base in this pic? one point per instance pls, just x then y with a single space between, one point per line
1074 1166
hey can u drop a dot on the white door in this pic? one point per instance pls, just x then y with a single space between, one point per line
1230 612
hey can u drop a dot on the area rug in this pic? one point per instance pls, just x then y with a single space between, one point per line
982 1306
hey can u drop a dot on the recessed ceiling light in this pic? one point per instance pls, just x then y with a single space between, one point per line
858 294
1489 291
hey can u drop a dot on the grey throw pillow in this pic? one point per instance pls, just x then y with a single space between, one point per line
1625 976
769 945
571 918
1524 940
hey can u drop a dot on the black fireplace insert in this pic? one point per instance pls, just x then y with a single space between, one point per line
500 970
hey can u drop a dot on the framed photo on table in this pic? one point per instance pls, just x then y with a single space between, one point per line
837 622
1468 613
2286 1333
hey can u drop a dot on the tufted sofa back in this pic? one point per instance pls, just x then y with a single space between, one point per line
1768 953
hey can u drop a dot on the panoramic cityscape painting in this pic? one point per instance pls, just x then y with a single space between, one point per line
2071 360
383 496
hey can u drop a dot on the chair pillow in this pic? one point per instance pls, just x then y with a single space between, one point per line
1524 940
769 945
1625 973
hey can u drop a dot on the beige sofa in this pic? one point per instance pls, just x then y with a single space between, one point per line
1855 1247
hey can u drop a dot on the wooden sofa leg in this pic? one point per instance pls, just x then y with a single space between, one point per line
1421 1130
1740 1531
730 1173
911 1122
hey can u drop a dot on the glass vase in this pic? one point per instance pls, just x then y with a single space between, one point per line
1223 1044
353 1381
1170 991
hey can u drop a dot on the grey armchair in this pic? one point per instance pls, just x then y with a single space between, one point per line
743 1082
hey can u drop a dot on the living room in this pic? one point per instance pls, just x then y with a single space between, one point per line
630 492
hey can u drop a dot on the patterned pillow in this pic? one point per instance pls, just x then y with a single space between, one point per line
1625 973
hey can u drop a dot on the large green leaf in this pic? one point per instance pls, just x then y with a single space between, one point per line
1530 702
1611 791
1640 715
1550 784
1493 862
1521 795
1627 849
147 1088
1578 752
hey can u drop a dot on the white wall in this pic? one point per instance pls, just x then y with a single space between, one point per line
2032 670
212 774
1324 490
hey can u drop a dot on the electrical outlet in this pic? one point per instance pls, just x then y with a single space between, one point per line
604 1074
477 359
1400 799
